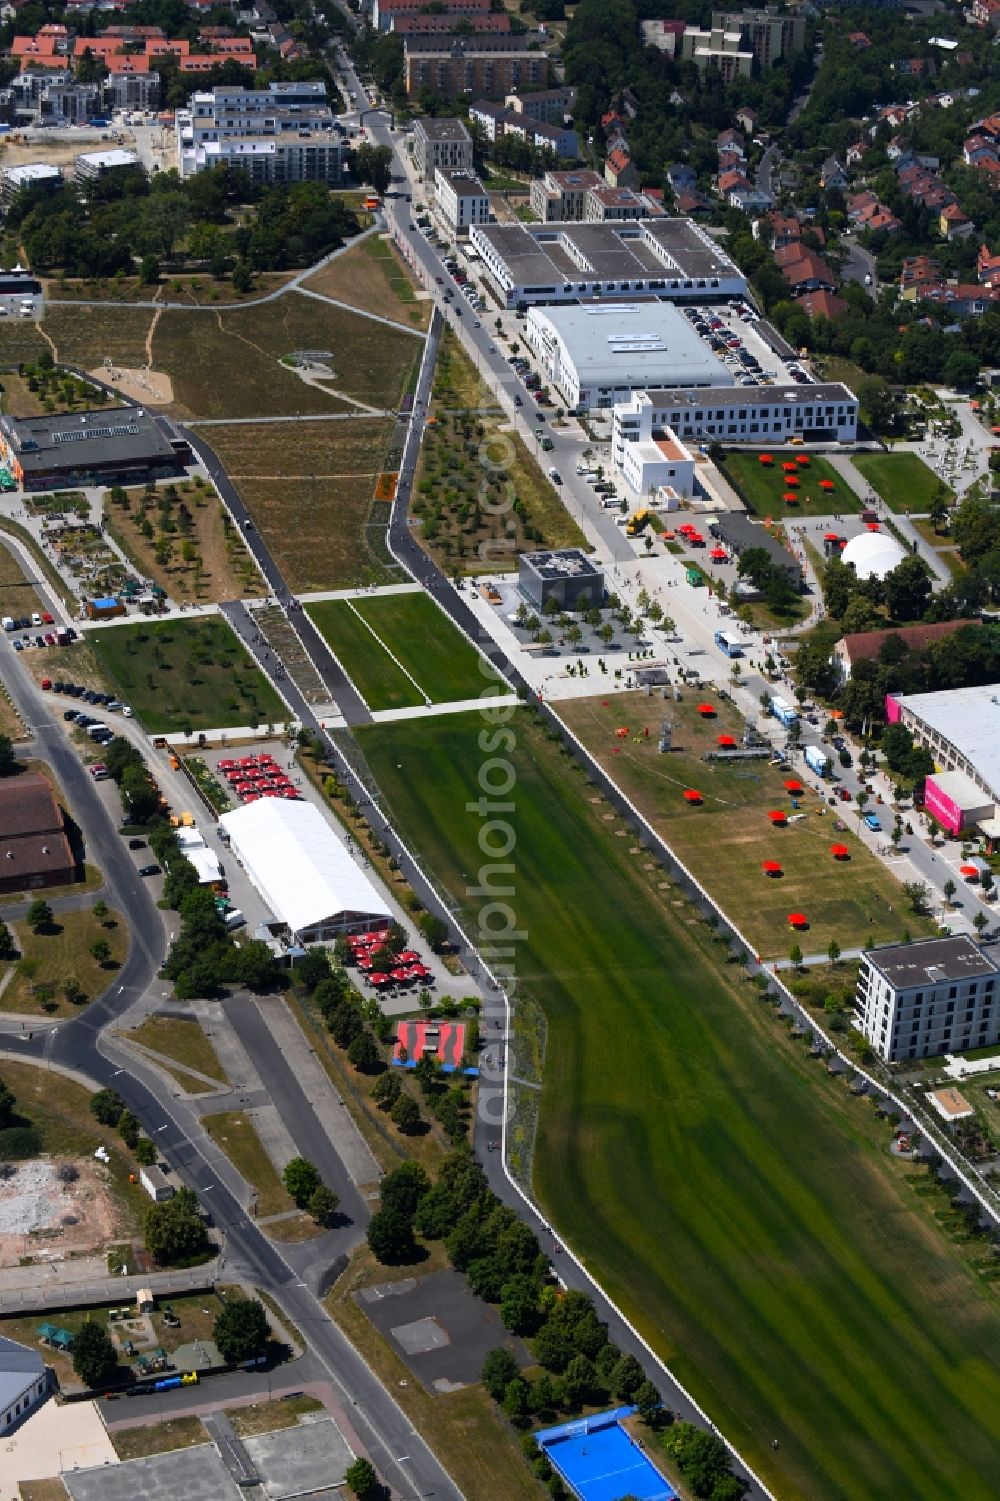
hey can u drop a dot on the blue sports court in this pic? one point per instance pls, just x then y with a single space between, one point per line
599 1460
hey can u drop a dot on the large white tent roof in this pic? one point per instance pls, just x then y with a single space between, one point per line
874 554
300 867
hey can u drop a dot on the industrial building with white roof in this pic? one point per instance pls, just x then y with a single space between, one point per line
303 871
961 729
598 353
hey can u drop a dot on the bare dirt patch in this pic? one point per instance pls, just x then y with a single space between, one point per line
39 1215
152 387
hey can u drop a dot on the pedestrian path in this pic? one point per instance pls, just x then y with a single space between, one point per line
459 706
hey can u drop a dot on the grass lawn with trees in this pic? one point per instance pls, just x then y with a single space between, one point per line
444 665
181 537
186 675
763 485
58 954
235 1134
742 1206
902 480
183 1041
724 840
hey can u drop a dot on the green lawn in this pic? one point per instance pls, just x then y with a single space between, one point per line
186 674
441 664
763 486
741 1206
902 480
724 840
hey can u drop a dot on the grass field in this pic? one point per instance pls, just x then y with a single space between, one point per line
742 1206
763 486
17 597
370 361
902 480
186 675
182 1040
158 1438
20 342
436 661
195 552
373 277
309 486
86 336
235 1134
61 953
724 840
268 1417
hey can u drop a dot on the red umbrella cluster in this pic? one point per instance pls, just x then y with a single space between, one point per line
406 970
719 555
770 867
254 777
840 851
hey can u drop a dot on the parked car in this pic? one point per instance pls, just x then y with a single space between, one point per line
149 870
872 822
137 844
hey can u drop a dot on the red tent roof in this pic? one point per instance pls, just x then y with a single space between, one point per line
772 867
706 708
839 851
826 484
777 815
831 536
797 919
765 458
969 870
790 498
726 740
802 458
719 554
691 795
793 786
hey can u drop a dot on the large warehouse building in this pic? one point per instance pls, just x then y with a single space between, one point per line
34 847
596 354
961 729
755 414
303 871
669 258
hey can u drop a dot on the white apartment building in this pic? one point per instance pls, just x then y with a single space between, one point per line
443 142
462 199
284 133
919 1000
738 414
659 462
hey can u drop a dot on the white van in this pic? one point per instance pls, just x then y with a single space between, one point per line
234 918
36 619
7 622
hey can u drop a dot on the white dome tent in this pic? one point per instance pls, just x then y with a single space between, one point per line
874 554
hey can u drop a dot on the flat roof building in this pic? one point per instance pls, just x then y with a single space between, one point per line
24 1382
31 175
483 65
303 870
673 259
78 448
960 727
568 577
923 999
597 354
34 847
283 133
440 142
461 198
93 164
741 414
739 533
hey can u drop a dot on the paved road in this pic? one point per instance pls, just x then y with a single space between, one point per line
859 266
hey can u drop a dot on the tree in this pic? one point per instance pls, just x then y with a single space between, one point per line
175 1233
94 1358
649 1402
107 1106
129 1129
323 1205
8 1101
499 1370
386 1089
960 370
149 271
241 1330
8 760
949 888
406 1114
38 915
908 589
301 1180
8 948
517 1399
434 930
145 1152
364 1054
833 951
795 954
100 950
980 921
519 1304
579 1380
403 1189
390 1237
242 278
361 1478
372 164
918 895
100 911
626 1378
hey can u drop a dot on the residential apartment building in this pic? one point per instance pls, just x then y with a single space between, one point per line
919 1000
769 34
386 12
719 50
284 133
561 196
128 88
483 66
441 142
461 198
550 106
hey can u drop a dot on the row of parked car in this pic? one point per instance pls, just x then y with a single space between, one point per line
726 343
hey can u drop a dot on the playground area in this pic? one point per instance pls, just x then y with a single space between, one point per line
600 1461
442 1041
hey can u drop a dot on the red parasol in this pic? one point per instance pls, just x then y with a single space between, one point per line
803 459
778 816
726 740
969 871
719 555
793 786
798 920
831 536
826 484
770 867
839 851
765 458
691 795
790 498
707 709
